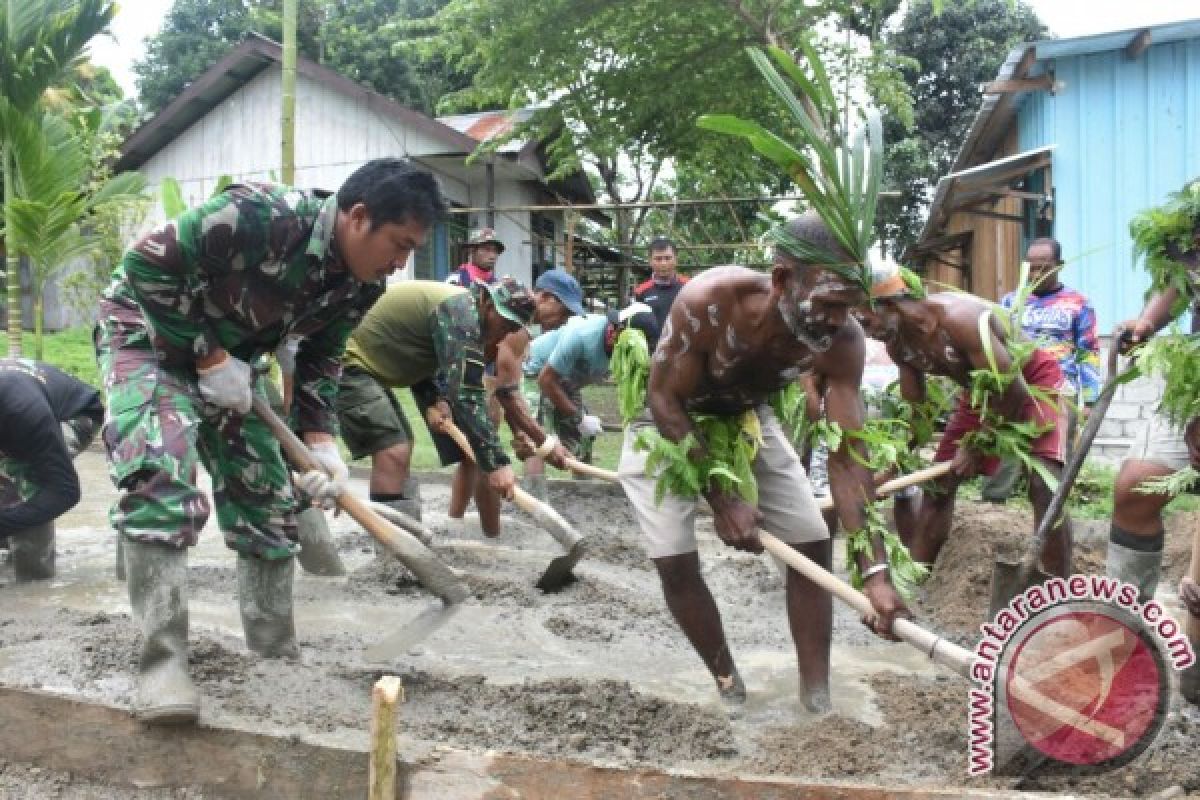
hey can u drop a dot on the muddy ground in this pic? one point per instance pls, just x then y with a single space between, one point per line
596 673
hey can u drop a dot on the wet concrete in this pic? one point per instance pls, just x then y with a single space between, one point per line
596 674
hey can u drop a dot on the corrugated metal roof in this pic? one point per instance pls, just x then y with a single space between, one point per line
484 125
1027 60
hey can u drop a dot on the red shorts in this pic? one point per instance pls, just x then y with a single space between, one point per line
1043 372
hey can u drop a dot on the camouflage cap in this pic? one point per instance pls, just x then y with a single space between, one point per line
485 236
512 299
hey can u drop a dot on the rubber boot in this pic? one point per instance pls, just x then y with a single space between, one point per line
157 580
1140 565
318 551
32 553
265 600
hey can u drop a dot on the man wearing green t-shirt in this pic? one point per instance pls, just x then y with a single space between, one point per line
435 339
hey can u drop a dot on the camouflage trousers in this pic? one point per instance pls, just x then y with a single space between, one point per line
15 484
564 427
158 431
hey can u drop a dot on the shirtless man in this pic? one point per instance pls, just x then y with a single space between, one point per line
939 335
733 337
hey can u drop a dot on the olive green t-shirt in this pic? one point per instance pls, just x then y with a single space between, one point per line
395 340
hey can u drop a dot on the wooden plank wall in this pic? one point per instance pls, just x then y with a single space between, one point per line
991 264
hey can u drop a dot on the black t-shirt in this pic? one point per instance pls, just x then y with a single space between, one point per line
659 298
34 400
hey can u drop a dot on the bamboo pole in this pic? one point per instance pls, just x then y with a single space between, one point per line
287 156
706 201
385 695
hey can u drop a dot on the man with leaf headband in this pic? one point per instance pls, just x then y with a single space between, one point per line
1164 459
733 338
1011 405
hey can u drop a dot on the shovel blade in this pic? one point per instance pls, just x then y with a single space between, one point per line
421 627
560 573
1009 580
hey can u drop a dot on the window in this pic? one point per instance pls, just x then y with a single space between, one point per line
545 250
438 257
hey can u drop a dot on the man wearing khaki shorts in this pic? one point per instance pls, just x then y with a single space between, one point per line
733 337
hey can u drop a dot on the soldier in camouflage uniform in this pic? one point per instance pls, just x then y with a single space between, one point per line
437 340
46 418
191 305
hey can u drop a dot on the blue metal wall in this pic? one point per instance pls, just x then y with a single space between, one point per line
1128 132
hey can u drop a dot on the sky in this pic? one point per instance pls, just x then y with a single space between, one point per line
137 19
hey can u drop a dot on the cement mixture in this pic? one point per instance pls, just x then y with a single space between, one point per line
596 673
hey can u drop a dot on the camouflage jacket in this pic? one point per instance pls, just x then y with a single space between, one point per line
249 267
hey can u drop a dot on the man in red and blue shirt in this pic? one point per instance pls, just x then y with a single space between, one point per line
1063 323
665 282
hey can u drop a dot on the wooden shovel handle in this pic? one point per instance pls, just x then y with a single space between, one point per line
592 471
938 649
521 498
437 576
825 503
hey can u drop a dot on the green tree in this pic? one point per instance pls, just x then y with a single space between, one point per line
620 85
951 54
357 38
53 195
41 41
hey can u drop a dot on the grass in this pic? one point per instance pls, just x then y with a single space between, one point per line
71 350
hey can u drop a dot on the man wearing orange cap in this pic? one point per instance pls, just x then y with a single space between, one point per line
940 335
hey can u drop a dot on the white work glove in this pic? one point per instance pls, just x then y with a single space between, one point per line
324 485
591 426
228 384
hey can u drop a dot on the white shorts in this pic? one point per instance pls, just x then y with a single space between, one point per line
785 496
1161 443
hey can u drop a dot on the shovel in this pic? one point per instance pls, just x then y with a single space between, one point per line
958 659
420 560
1008 579
558 574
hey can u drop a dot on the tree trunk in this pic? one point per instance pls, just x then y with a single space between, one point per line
12 263
39 316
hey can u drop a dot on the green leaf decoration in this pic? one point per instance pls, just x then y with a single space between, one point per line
838 173
630 367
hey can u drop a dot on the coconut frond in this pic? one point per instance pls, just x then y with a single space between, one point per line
838 173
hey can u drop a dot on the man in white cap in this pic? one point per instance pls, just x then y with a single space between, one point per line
483 250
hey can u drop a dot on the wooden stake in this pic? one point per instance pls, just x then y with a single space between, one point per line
387 692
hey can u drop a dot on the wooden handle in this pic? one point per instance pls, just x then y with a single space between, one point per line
938 649
592 471
825 503
432 573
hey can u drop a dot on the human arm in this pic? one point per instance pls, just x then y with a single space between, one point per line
676 374
1191 436
508 393
1155 315
850 480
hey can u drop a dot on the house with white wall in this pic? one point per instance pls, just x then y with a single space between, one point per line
226 123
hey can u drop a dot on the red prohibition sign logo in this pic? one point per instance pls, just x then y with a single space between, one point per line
1085 687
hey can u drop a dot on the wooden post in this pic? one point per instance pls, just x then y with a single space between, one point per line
384 696
287 119
569 253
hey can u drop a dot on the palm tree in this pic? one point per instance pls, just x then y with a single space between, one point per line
52 195
40 40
